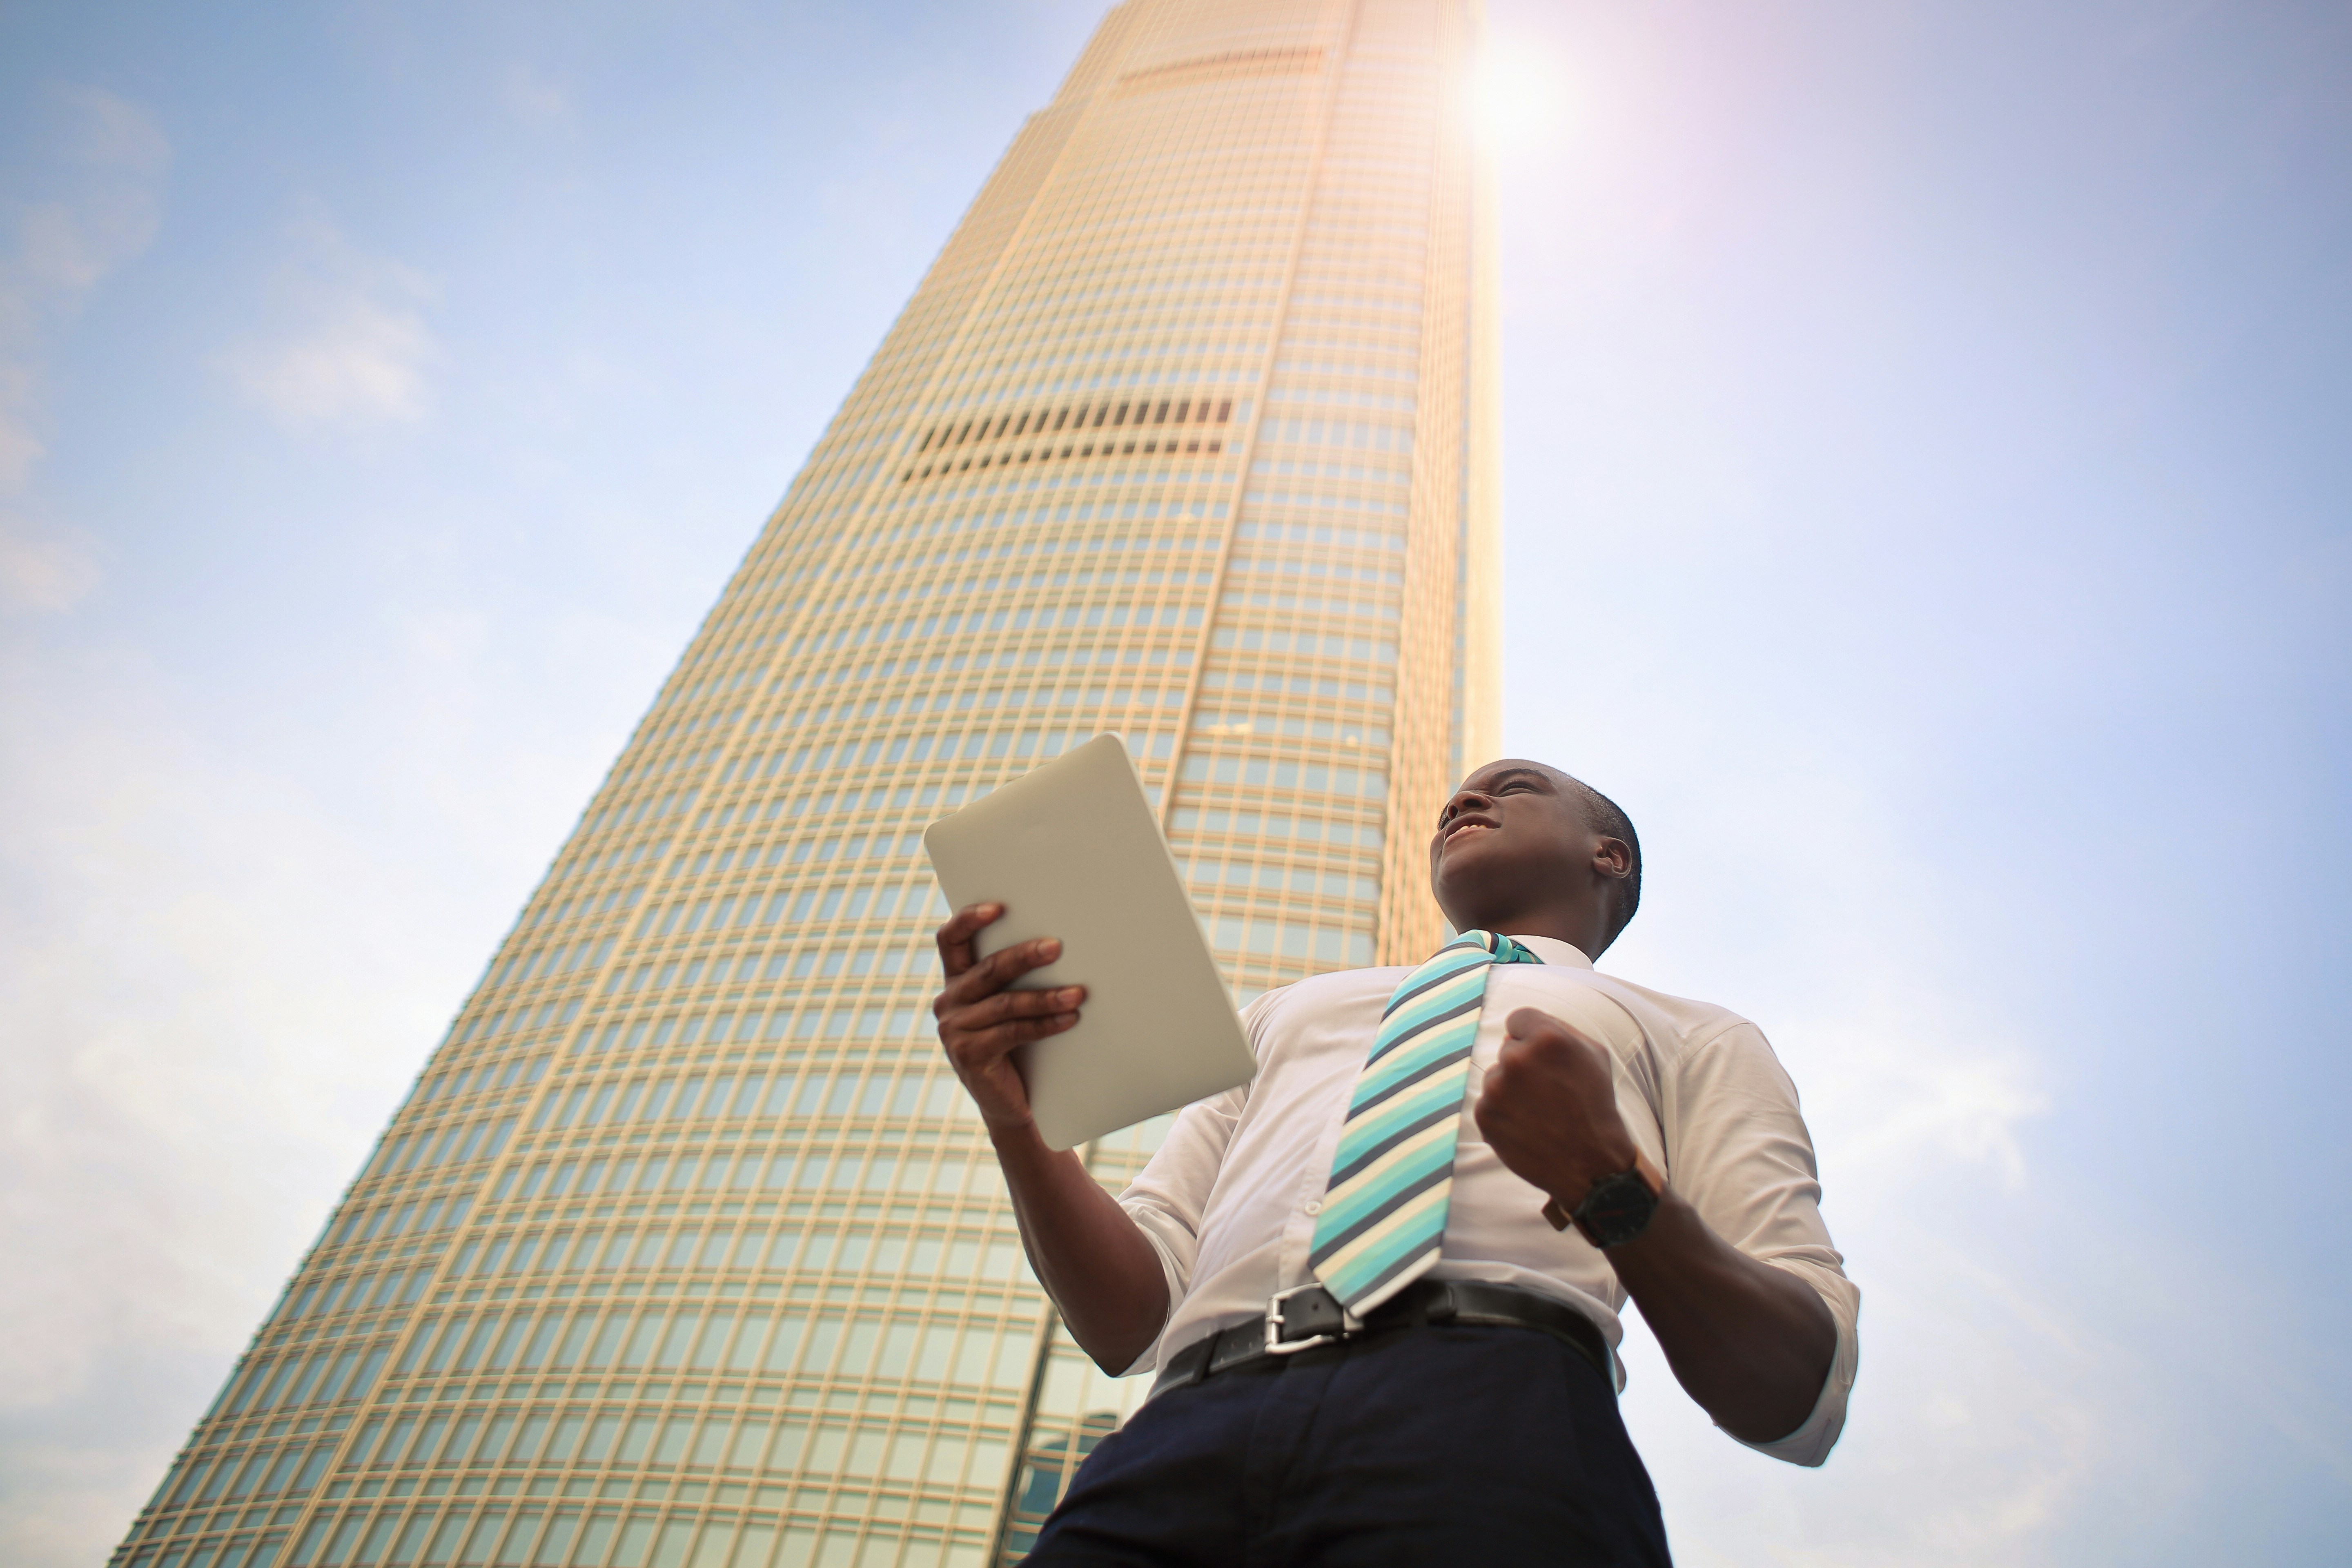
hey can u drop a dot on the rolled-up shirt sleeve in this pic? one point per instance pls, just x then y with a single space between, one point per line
1737 1150
1166 1199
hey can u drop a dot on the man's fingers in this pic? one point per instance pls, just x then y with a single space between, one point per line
960 925
1010 964
987 1044
985 978
1525 1023
1535 1024
955 936
990 1011
1003 967
976 1036
997 971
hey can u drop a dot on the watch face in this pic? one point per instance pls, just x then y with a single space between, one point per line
1617 1209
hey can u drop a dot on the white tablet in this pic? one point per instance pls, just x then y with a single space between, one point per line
1071 849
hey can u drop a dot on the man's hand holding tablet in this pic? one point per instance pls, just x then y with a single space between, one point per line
983 1022
1070 855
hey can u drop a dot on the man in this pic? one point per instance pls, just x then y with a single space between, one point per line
1381 1281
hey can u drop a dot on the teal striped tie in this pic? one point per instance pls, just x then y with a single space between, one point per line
1384 1214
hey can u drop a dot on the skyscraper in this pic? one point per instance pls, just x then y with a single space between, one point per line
686 1250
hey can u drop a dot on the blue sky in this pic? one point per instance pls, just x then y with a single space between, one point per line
1927 508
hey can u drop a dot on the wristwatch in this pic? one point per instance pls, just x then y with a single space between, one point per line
1616 1208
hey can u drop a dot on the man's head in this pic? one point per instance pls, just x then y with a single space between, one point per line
1522 847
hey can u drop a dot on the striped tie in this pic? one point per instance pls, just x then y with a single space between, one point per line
1384 1214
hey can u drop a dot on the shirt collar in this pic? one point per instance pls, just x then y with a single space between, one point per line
1551 950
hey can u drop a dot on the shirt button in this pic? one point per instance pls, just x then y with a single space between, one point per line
1314 1205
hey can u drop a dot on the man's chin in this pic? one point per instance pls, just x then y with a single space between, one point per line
1464 861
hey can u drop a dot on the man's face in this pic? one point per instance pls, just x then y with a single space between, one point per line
1513 835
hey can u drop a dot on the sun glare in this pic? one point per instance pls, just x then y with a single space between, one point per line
1517 96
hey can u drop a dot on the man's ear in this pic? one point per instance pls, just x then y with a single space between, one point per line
1613 857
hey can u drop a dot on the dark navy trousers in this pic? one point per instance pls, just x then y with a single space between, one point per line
1442 1445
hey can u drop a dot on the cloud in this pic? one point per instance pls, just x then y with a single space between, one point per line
43 568
104 165
108 159
1907 1099
348 347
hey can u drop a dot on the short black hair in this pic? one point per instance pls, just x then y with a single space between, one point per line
1606 818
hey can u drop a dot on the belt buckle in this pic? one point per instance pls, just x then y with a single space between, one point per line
1275 1323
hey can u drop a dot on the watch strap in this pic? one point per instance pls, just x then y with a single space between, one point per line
1561 1218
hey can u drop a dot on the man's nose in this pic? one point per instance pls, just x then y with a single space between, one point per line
1466 800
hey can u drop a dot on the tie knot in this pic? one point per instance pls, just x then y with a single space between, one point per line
1502 947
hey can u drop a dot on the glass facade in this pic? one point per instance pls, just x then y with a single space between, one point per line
685 1251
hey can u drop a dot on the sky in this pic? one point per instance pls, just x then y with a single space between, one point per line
1926 508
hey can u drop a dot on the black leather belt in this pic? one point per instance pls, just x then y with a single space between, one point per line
1308 1316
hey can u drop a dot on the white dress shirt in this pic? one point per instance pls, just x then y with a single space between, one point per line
1230 1200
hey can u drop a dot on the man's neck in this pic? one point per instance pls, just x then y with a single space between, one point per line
1580 931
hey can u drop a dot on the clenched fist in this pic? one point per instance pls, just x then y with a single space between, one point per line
1550 1108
